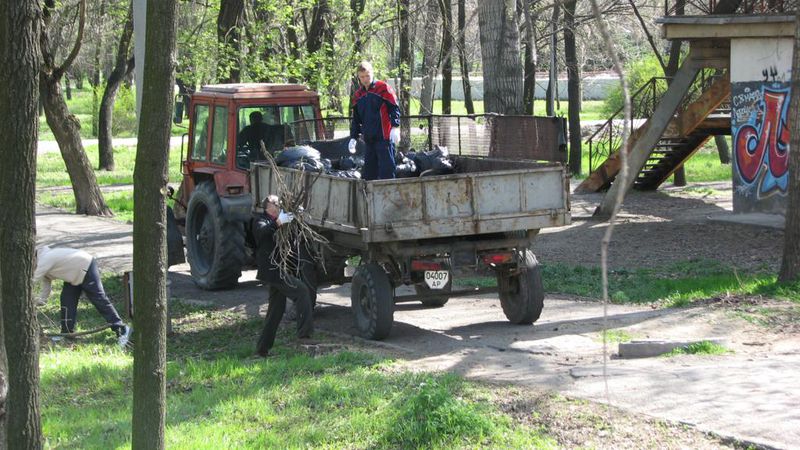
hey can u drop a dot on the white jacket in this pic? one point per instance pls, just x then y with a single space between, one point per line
65 264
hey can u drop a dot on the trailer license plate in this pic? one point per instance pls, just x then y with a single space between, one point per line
436 279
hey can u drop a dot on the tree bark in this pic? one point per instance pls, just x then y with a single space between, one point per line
553 78
315 38
20 423
529 83
406 65
722 149
122 67
502 68
429 58
462 57
573 88
447 56
149 230
790 266
98 56
65 126
229 23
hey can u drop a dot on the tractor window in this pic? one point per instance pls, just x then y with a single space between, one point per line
219 138
200 132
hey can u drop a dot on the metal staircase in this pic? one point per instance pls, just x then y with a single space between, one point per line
699 116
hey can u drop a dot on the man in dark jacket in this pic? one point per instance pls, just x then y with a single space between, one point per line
281 285
376 117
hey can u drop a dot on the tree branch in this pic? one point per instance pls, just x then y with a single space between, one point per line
59 72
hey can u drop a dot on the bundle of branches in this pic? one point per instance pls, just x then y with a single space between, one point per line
296 242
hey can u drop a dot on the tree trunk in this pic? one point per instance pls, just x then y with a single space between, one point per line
790 266
68 87
722 149
573 89
406 65
122 67
529 84
66 127
229 23
20 425
98 56
149 230
553 78
317 32
462 57
429 58
447 56
294 48
502 69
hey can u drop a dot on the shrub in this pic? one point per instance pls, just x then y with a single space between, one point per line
124 120
637 73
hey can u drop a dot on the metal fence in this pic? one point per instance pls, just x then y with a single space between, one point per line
483 135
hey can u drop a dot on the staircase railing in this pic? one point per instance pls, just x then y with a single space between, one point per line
608 137
745 7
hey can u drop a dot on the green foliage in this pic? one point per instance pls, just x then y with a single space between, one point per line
218 396
124 122
700 348
637 74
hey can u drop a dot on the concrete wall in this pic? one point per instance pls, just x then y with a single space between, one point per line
760 93
595 87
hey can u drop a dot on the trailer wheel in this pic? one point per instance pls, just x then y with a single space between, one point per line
215 245
522 294
372 299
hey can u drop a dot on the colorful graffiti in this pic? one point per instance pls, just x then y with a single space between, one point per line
761 139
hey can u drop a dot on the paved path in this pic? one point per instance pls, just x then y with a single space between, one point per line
752 394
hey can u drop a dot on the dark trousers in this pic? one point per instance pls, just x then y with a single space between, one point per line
292 288
379 161
93 288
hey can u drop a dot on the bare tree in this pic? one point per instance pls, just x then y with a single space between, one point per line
573 88
122 68
149 230
406 64
552 81
462 57
529 70
790 266
229 25
447 56
20 426
430 53
502 68
65 126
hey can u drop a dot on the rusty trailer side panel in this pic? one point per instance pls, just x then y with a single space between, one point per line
478 201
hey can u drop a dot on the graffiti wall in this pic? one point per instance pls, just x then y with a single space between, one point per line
760 94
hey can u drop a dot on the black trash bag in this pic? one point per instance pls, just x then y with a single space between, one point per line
435 160
354 174
308 165
406 169
327 166
337 148
291 154
349 162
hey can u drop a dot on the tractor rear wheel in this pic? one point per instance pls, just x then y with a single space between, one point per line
215 245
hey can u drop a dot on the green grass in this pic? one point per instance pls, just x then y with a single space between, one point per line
120 202
51 171
674 285
219 396
699 348
616 336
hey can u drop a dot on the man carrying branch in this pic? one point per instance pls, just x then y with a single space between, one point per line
282 283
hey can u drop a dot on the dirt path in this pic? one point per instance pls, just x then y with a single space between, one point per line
750 394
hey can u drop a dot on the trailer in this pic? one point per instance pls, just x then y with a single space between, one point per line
425 231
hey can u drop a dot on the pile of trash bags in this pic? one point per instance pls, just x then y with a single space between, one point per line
333 158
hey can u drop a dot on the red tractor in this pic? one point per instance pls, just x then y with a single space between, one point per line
227 125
